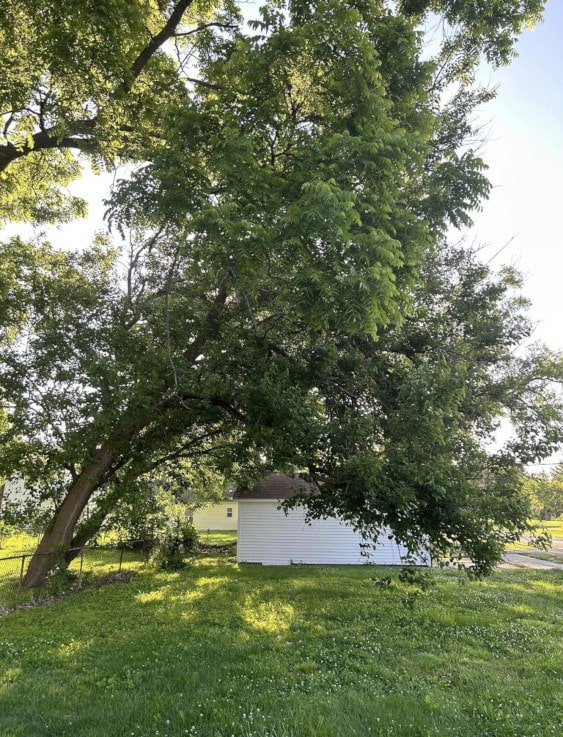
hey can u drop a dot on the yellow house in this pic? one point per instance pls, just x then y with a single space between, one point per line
220 516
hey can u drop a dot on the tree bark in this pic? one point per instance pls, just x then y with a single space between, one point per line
58 535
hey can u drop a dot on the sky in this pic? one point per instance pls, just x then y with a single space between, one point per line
524 152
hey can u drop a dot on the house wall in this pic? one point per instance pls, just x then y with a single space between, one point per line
14 491
215 517
267 535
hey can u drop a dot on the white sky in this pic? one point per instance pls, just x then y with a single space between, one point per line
525 157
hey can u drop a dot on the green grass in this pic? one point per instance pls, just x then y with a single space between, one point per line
95 563
18 544
554 526
219 649
218 537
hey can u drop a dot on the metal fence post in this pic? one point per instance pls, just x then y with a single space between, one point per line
21 572
81 565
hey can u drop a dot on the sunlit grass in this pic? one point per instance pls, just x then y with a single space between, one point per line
92 564
219 649
18 544
554 526
218 537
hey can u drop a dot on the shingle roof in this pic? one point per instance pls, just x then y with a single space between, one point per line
274 486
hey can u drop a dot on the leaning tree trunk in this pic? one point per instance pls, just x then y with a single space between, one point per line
59 533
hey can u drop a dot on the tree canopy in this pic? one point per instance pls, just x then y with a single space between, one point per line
279 293
545 491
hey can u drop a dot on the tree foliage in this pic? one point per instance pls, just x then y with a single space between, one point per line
89 78
281 296
545 492
432 394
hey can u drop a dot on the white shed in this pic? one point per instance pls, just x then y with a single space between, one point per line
266 534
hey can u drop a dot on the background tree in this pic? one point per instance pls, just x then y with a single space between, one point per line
273 241
545 492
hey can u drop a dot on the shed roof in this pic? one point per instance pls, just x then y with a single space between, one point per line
274 486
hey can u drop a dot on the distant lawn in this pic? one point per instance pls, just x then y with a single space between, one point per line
22 542
218 537
219 649
554 526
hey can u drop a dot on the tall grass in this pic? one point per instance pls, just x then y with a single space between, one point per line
306 651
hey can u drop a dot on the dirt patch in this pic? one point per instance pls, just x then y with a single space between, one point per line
218 549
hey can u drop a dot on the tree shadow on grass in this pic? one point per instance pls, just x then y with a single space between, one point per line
217 649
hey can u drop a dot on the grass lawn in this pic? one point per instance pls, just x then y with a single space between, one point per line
219 649
218 537
18 544
96 562
554 526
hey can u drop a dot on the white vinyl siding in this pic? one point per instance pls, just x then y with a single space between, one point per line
15 491
217 517
267 535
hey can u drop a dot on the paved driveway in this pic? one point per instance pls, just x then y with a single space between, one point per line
521 559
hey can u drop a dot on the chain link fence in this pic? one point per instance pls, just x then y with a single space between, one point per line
89 563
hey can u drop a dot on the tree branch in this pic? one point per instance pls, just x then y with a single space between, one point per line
47 139
212 321
50 138
226 26
180 452
203 83
156 42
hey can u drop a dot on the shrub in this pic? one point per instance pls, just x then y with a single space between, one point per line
176 544
60 580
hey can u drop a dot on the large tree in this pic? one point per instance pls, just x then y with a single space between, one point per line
278 240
